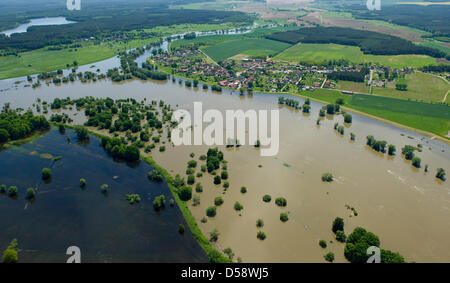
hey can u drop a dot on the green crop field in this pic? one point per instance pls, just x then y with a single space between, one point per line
430 117
319 53
421 86
251 46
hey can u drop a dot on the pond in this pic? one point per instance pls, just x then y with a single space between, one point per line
37 22
105 227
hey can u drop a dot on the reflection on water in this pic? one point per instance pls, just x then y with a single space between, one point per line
37 22
104 226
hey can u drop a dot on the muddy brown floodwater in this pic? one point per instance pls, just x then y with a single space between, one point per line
407 208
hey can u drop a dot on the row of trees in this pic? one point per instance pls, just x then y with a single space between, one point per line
368 41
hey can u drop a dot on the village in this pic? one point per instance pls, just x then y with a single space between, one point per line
265 74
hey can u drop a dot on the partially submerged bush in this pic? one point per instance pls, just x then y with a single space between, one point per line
323 244
327 177
261 235
238 206
259 223
329 257
267 198
185 193
133 198
284 217
155 175
13 191
159 202
218 201
30 194
46 173
211 211
338 225
281 202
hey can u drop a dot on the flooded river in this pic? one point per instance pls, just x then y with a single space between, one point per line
407 208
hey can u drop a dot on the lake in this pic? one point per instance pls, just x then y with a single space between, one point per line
37 22
104 226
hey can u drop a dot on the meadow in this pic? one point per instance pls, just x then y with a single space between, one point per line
251 47
421 86
429 117
44 60
319 53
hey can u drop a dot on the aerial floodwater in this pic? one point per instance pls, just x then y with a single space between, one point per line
37 22
406 207
104 226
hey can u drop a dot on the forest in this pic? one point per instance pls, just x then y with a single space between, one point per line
99 21
433 18
368 41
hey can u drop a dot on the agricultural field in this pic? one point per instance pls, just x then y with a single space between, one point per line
44 60
251 47
222 5
430 117
319 53
353 86
421 87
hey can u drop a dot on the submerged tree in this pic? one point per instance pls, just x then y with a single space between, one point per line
329 257
30 194
416 162
261 235
338 225
214 235
284 217
46 173
211 211
281 202
82 133
10 255
13 191
441 174
185 193
327 177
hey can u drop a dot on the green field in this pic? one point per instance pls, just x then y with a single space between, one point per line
319 53
434 118
353 86
421 86
251 46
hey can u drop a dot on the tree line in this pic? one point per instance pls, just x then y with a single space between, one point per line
368 41
101 24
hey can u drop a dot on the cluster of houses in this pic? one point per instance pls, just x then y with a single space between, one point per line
262 73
